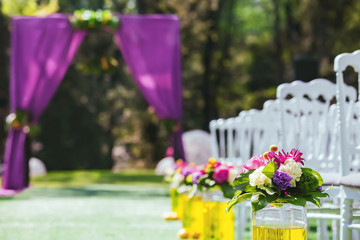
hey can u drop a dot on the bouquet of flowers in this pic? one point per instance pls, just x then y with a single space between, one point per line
179 176
276 178
214 174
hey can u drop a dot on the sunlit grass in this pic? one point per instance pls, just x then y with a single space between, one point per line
83 178
94 205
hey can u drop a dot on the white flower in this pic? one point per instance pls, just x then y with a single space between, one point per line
258 179
169 171
176 181
232 175
293 168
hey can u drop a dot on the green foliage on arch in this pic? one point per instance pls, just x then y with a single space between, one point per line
92 20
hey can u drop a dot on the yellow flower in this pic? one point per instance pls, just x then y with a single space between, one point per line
212 160
273 148
265 155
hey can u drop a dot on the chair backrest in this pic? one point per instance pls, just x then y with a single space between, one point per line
252 135
231 138
348 116
224 134
305 110
271 122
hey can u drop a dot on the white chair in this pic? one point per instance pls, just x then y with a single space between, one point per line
350 183
230 141
307 123
223 135
231 138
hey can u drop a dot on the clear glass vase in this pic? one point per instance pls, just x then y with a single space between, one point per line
287 222
218 224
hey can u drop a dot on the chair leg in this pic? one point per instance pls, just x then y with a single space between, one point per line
322 232
241 220
319 230
346 219
335 229
355 235
325 233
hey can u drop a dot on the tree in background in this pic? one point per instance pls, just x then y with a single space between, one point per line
234 55
29 7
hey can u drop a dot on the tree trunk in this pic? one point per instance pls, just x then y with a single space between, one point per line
4 77
278 43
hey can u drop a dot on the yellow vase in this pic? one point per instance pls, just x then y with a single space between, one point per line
175 201
218 224
185 206
197 219
186 220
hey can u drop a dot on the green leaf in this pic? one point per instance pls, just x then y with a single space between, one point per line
299 201
227 190
239 197
273 196
315 201
319 194
250 188
269 169
315 174
258 201
241 182
242 175
270 191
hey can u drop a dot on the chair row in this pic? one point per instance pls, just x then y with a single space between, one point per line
303 116
321 119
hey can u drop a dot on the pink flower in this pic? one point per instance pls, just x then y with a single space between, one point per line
297 156
254 162
281 157
221 174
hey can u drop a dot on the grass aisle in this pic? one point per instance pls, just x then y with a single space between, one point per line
92 205
71 206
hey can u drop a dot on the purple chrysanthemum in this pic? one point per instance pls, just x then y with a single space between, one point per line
282 180
195 177
187 171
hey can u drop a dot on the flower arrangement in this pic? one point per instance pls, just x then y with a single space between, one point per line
277 177
19 121
214 174
89 20
179 175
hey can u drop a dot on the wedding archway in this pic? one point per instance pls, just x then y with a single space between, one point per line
42 49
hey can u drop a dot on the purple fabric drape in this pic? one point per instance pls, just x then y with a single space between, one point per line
150 46
42 50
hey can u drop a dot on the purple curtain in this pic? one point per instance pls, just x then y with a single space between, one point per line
42 50
150 46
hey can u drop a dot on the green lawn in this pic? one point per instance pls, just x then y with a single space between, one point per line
91 205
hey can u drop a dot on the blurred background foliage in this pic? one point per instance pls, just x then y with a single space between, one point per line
234 55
